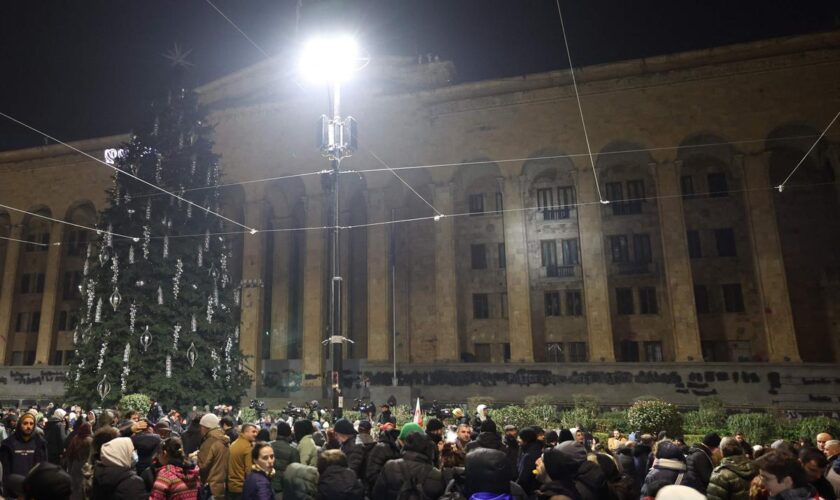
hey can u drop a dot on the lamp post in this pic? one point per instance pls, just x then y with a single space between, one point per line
332 61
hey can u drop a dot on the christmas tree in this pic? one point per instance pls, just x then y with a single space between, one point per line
159 312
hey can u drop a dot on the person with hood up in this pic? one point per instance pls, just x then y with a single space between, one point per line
559 469
114 477
700 459
213 455
384 450
486 477
731 479
487 438
191 438
177 478
531 451
414 468
284 454
641 456
23 449
258 483
621 486
300 482
669 468
589 479
336 481
482 414
76 456
55 432
306 444
147 444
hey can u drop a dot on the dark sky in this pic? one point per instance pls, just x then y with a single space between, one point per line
86 68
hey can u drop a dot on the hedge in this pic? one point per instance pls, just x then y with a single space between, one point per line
140 403
654 416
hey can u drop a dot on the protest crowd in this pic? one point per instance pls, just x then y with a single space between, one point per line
70 453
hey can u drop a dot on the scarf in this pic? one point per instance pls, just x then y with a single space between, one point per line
257 468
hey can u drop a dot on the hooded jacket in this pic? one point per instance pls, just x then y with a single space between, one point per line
19 453
526 465
487 476
213 459
731 479
641 454
355 453
386 449
300 482
257 486
669 468
308 450
113 476
589 480
416 465
56 436
699 461
339 483
284 454
486 440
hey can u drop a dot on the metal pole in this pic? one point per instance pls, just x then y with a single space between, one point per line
393 258
335 296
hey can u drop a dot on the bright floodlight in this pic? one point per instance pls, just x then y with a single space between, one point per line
330 59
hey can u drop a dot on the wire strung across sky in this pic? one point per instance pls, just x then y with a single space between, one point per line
28 242
68 223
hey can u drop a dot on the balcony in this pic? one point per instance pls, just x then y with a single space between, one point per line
556 213
555 271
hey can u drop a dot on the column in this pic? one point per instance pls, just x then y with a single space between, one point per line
516 272
50 297
280 290
7 294
250 324
313 292
446 291
594 267
678 277
379 338
767 258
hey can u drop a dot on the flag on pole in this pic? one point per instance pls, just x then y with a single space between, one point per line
418 415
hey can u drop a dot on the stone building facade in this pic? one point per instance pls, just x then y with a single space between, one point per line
694 259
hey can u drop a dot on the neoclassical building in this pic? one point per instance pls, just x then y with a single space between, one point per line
696 260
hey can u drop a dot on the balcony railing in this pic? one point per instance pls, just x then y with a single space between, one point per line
556 213
555 271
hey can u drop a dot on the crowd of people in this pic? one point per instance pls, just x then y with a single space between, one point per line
66 453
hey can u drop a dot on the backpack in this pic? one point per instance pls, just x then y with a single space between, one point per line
411 489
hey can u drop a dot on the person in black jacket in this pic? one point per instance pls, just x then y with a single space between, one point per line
589 479
415 467
23 449
512 449
699 459
55 433
355 452
487 438
335 480
113 476
560 469
669 468
641 456
191 438
531 450
487 471
386 449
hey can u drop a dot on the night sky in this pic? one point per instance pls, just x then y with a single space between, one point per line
87 68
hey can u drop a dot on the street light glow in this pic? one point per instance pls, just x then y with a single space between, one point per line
329 59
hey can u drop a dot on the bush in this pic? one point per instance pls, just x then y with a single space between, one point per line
545 416
758 428
653 416
811 426
474 401
612 420
587 402
579 418
539 400
403 414
711 417
137 402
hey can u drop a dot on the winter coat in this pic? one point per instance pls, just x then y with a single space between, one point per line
558 490
512 452
355 454
174 483
641 453
386 449
699 461
731 479
487 474
486 440
415 465
824 488
339 483
803 493
56 436
111 482
239 464
18 456
525 467
257 486
590 482
146 444
667 471
213 459
300 482
74 468
833 477
308 451
191 438
284 454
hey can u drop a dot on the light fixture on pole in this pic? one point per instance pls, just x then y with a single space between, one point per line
333 60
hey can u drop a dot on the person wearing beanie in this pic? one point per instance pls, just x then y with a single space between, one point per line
531 450
487 438
386 449
408 429
668 468
55 433
415 467
114 476
23 449
45 481
589 480
559 468
435 428
700 459
213 455
284 454
303 430
487 476
346 434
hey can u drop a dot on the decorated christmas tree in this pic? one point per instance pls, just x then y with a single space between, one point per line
159 311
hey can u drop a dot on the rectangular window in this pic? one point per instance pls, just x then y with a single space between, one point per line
717 185
695 251
725 240
500 202
641 248
733 299
566 199
687 187
17 358
481 307
624 300
707 347
647 300
478 254
636 190
503 304
476 204
76 243
36 322
28 357
24 283
701 299
70 285
545 202
629 351
574 303
577 352
39 282
22 322
552 304
653 351
614 191
548 251
62 321
618 248
502 257
506 347
571 255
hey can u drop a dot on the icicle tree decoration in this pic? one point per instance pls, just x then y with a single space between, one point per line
228 346
148 209
98 316
193 324
115 269
168 366
86 268
126 369
176 280
210 310
189 211
80 368
131 254
223 265
166 247
207 239
147 236
236 296
176 333
214 356
200 257
101 356
91 295
236 333
160 296
193 162
132 317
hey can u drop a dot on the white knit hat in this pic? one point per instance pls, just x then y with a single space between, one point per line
59 413
209 420
118 452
